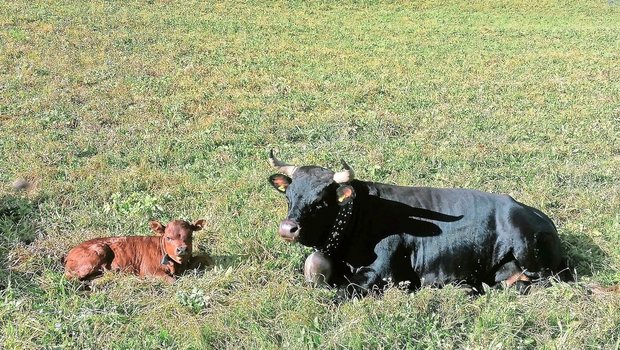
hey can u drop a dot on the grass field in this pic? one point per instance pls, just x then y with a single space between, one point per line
118 111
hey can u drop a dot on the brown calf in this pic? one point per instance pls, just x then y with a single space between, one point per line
166 255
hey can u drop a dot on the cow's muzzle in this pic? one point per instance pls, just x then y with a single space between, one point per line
289 230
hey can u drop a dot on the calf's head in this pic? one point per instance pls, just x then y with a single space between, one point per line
314 195
177 238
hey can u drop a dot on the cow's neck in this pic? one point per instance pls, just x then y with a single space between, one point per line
339 230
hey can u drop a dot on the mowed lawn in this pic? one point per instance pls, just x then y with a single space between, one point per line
121 111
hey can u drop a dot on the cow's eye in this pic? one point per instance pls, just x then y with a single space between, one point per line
168 238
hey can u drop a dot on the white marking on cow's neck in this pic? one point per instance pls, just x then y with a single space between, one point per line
334 241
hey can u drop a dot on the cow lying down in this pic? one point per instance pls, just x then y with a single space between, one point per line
367 234
166 255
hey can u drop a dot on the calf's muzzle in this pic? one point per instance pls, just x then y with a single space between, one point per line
181 251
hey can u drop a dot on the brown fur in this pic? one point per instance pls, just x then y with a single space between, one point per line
515 278
139 255
596 289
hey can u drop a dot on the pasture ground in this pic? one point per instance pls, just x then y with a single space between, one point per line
117 111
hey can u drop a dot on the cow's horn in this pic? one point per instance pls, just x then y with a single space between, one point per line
345 175
284 168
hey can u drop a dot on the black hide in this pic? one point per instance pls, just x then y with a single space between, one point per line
424 236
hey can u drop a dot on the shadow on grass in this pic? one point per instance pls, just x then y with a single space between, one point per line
226 261
583 254
17 226
17 220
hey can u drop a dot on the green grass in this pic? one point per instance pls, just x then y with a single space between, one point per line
118 111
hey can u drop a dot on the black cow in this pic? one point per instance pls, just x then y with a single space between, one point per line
367 234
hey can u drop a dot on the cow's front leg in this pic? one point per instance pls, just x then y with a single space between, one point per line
365 280
393 263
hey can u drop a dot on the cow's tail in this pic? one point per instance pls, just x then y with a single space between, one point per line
568 275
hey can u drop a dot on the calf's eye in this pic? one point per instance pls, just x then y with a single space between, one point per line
168 238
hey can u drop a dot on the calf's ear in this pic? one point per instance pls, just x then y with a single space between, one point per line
280 182
157 227
345 193
199 225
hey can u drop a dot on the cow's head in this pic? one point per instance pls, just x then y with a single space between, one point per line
177 238
314 195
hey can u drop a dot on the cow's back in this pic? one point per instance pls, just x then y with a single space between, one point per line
466 210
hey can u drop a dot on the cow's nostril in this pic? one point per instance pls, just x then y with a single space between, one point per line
289 230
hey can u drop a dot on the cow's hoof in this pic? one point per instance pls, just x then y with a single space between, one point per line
341 297
348 294
523 287
469 290
317 269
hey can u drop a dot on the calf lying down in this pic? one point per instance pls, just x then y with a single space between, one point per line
167 254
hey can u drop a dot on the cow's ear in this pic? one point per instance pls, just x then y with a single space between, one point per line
199 225
157 227
345 194
280 182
